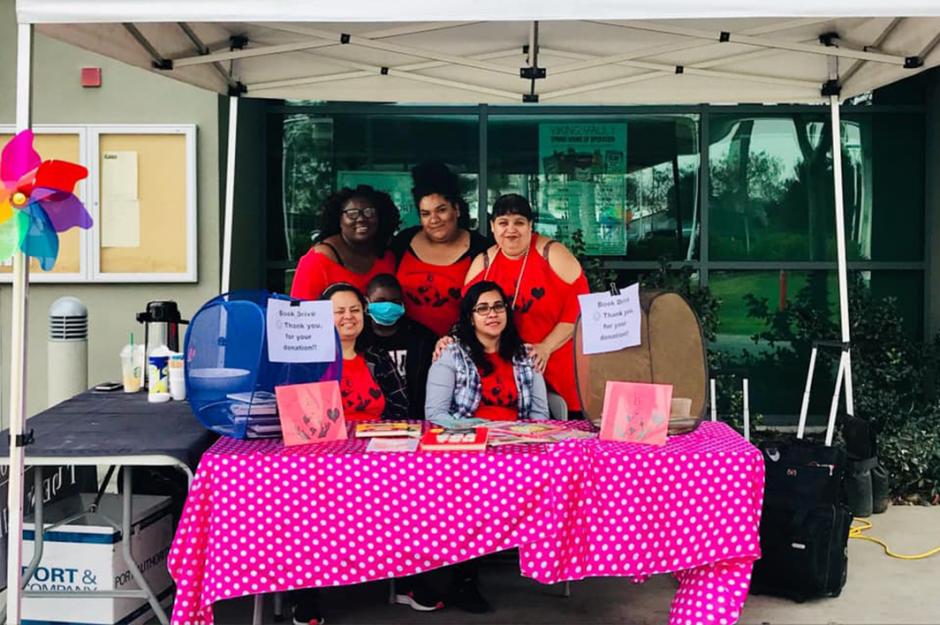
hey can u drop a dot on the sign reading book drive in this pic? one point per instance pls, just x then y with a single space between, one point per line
300 331
610 322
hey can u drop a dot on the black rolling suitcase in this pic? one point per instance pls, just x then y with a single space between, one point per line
804 529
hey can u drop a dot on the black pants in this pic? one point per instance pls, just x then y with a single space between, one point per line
307 600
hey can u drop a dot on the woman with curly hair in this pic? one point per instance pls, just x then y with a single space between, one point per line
434 257
356 227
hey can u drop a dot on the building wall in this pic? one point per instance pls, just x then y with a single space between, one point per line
129 95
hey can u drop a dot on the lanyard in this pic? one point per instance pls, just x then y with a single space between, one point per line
525 259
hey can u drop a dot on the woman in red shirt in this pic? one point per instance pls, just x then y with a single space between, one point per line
542 279
352 247
371 386
371 389
485 372
433 258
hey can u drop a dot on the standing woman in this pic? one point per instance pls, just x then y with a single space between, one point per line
542 280
433 258
352 247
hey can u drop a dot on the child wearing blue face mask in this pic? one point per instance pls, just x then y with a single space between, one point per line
409 344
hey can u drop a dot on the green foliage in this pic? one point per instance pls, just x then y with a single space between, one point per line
684 282
598 277
892 373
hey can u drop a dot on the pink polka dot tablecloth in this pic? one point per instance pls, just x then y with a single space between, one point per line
261 517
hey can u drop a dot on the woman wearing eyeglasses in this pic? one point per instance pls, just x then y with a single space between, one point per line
543 280
352 247
486 372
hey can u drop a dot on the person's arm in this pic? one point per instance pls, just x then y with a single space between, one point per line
543 350
392 386
419 363
567 267
309 279
539 407
440 388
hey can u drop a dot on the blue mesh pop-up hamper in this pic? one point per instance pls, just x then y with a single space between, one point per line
229 379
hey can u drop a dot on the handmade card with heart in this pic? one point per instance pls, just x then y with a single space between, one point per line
636 413
311 413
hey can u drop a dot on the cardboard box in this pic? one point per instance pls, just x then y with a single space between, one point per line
87 555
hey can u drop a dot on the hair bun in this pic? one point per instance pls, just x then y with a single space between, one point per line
434 177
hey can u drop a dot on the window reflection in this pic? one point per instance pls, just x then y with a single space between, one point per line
771 195
629 183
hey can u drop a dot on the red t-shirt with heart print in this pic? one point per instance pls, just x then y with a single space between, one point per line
362 398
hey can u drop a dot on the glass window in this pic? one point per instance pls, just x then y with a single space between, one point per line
771 195
321 154
754 302
629 183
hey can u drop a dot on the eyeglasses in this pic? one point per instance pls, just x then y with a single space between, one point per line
484 309
352 214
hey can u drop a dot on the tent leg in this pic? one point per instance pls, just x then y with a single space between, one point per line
24 48
229 193
840 247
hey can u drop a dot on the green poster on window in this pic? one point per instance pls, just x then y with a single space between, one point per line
582 184
396 183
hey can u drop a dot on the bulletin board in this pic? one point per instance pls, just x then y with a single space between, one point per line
141 194
145 190
66 144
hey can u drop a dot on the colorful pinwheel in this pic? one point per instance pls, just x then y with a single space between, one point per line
36 201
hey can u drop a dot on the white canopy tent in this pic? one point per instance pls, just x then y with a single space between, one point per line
489 51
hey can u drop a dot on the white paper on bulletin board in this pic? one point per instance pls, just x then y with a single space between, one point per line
119 175
120 222
120 205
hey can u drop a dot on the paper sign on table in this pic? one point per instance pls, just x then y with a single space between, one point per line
610 322
311 413
300 331
636 413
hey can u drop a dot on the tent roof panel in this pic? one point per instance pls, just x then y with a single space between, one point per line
93 11
586 61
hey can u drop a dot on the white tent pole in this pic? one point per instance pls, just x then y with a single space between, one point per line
24 48
840 246
229 193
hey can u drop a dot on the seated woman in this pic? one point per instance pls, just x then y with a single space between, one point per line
486 373
371 389
371 385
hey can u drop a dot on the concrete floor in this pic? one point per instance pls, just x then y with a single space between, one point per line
880 591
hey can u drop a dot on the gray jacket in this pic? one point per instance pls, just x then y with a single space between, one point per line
454 387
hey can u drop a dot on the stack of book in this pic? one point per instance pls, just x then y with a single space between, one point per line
527 433
259 409
390 435
462 439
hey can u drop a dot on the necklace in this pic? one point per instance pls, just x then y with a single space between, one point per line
525 260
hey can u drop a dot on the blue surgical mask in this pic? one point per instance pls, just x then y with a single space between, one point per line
385 313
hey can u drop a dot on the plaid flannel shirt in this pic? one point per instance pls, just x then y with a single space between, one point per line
468 387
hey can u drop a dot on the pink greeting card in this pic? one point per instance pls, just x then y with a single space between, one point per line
311 413
636 413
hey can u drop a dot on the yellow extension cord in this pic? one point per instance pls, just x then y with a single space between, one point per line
856 532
